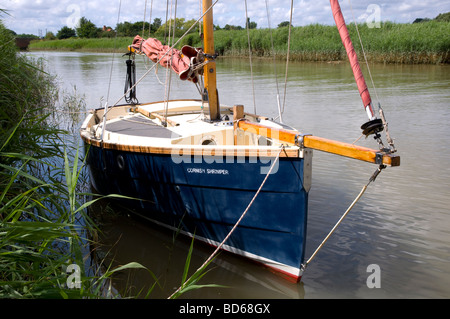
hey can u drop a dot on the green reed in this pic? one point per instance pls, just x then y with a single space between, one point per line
44 225
426 42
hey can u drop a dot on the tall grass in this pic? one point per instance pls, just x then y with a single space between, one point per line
45 230
43 223
426 42
119 44
391 43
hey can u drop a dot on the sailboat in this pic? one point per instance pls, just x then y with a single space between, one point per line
216 172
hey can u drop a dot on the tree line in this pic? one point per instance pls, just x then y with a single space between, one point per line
87 29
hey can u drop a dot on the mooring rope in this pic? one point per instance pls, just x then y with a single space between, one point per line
236 224
363 190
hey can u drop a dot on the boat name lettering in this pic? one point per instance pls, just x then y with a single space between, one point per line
193 170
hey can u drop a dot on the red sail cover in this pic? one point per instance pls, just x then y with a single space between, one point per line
155 51
360 82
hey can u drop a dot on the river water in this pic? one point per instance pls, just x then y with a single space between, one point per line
401 225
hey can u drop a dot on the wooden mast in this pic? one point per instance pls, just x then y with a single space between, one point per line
210 68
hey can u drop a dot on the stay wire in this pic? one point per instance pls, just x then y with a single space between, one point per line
363 51
110 76
390 140
168 73
274 61
287 56
113 55
250 57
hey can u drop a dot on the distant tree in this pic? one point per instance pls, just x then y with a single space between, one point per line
443 17
283 24
181 27
50 36
189 24
124 29
232 27
87 29
65 33
157 22
26 35
127 29
11 32
251 24
419 20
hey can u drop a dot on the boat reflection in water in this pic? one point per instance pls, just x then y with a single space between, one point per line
124 237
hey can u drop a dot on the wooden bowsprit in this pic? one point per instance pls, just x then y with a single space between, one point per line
322 144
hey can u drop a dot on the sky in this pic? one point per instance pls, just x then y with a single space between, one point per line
39 16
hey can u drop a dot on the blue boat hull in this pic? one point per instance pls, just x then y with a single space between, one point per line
206 196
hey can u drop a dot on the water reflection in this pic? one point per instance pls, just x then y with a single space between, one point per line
127 238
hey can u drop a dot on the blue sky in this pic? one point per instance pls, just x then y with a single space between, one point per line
34 16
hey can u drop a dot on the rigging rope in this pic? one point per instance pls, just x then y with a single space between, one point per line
250 56
274 64
363 190
287 56
363 51
143 22
168 73
236 224
380 110
110 75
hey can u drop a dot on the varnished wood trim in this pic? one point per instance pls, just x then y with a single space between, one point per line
196 151
323 144
350 150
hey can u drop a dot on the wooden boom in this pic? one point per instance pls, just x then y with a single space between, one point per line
322 144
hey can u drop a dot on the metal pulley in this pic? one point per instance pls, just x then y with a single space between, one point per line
372 127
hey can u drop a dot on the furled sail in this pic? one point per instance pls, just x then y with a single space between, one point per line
359 78
181 64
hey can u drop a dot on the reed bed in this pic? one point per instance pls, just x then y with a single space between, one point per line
42 220
44 225
46 232
426 42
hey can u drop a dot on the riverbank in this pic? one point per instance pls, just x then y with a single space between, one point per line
418 43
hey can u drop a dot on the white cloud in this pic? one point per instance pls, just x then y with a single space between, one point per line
29 16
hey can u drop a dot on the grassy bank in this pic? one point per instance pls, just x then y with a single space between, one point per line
426 42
